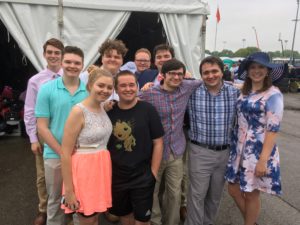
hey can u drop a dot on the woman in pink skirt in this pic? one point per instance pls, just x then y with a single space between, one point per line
86 163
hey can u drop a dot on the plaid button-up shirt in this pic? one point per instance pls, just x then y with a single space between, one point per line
212 116
171 107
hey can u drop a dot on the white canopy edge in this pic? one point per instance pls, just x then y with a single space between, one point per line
157 6
32 24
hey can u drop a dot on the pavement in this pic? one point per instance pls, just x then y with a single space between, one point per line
285 209
18 199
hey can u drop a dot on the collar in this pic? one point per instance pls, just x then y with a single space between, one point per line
60 84
53 74
218 93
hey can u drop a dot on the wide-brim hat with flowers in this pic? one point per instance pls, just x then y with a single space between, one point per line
276 70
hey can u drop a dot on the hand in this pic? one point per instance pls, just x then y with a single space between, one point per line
108 105
261 168
147 86
91 68
239 86
71 201
188 75
36 148
154 174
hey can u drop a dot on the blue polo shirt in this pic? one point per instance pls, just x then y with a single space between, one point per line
55 102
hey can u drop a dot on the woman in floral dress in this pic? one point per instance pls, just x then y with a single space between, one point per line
253 164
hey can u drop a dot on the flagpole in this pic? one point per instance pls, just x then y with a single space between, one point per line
216 36
218 20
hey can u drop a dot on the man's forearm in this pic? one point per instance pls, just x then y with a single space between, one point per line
157 155
50 140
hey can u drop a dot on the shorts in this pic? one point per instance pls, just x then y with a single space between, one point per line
133 193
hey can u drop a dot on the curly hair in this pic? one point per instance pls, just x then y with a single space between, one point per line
109 45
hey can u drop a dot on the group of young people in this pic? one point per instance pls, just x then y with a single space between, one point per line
111 140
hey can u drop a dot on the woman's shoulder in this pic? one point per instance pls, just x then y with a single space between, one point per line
77 110
276 90
273 91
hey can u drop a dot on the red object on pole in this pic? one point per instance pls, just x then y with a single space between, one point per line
218 15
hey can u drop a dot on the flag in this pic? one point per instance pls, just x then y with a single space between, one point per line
218 15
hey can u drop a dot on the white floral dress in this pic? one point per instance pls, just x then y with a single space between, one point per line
256 114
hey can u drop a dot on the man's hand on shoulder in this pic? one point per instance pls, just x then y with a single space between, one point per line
108 105
238 86
147 86
187 75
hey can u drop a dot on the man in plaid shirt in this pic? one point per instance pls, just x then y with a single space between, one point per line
170 100
211 110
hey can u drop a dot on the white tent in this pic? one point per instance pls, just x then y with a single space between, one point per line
87 23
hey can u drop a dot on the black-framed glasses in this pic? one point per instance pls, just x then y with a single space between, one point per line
173 74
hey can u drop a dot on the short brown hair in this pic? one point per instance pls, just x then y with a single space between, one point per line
109 45
95 74
73 50
55 43
212 60
172 64
162 47
124 73
143 50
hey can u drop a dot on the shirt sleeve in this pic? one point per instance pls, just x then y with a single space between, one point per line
156 127
274 112
192 84
29 116
42 107
143 95
84 77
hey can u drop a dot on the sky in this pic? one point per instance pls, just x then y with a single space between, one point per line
240 19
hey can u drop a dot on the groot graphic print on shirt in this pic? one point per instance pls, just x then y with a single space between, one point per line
123 132
131 142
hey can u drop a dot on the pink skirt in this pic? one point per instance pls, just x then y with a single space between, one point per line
91 171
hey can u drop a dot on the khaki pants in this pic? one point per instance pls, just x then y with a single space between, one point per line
40 182
185 178
55 215
172 170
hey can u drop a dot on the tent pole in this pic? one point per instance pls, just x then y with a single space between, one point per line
60 19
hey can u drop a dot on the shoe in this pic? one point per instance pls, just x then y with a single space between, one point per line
40 219
183 213
111 218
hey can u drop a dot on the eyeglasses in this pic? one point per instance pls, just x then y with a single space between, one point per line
142 60
173 74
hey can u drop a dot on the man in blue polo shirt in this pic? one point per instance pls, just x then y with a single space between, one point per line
211 112
54 102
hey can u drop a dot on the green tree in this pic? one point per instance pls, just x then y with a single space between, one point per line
215 53
288 53
275 54
226 53
207 52
244 52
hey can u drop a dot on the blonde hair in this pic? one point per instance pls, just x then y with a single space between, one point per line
95 74
145 50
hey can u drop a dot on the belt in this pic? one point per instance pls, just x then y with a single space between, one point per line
211 147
